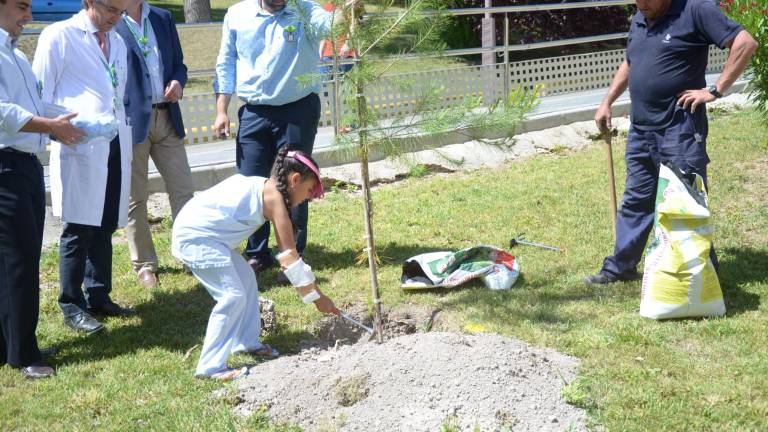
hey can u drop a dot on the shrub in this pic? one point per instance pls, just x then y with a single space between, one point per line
753 16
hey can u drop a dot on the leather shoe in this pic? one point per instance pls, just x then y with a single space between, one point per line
49 352
600 279
259 265
604 278
37 371
83 322
112 310
147 278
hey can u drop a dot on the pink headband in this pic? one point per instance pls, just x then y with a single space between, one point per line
318 191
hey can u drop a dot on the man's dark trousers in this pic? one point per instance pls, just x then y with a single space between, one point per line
22 215
264 129
682 143
85 252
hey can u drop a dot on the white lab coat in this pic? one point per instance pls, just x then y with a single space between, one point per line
68 65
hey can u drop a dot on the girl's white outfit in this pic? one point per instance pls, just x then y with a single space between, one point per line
206 237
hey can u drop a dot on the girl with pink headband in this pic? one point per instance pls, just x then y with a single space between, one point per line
206 236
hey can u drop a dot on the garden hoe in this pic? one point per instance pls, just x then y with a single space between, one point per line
520 240
357 323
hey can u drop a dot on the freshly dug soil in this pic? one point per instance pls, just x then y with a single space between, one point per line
414 382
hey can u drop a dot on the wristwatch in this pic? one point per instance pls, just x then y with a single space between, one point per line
713 90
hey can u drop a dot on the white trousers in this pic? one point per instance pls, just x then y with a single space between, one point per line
235 322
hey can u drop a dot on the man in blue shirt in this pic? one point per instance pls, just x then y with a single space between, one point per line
24 131
268 50
665 70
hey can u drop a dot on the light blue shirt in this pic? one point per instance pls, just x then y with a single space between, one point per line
262 59
214 223
19 99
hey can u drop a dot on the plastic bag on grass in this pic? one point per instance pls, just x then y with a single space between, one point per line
497 268
679 278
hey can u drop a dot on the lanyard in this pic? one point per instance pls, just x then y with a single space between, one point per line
141 40
111 71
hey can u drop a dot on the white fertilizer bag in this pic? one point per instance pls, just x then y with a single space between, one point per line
679 279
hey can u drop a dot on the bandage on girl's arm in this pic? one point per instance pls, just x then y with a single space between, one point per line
299 274
278 215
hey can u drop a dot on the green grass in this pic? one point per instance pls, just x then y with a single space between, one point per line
636 375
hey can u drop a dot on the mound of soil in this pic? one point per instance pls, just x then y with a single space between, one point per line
415 382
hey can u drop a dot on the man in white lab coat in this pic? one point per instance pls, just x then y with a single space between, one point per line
81 65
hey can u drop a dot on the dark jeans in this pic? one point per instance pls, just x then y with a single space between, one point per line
264 129
682 143
22 214
85 252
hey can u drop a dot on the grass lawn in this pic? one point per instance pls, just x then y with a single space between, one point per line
637 374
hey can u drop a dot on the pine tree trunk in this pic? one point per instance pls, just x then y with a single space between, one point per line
362 122
368 204
196 11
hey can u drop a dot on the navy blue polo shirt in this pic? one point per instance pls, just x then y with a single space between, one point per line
671 57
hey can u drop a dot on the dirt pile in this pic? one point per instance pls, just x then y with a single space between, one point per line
417 382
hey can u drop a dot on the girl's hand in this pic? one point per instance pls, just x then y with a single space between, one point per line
325 305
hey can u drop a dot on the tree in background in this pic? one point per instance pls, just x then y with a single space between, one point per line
197 11
753 16
413 31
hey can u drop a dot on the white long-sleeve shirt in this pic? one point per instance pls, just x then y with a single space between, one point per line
153 58
19 99
73 71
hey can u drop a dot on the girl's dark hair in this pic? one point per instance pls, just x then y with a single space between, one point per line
283 167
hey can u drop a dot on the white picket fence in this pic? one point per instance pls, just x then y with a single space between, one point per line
558 75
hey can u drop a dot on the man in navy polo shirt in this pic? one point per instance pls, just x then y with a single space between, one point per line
665 68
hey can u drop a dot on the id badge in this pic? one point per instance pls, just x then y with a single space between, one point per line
291 33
